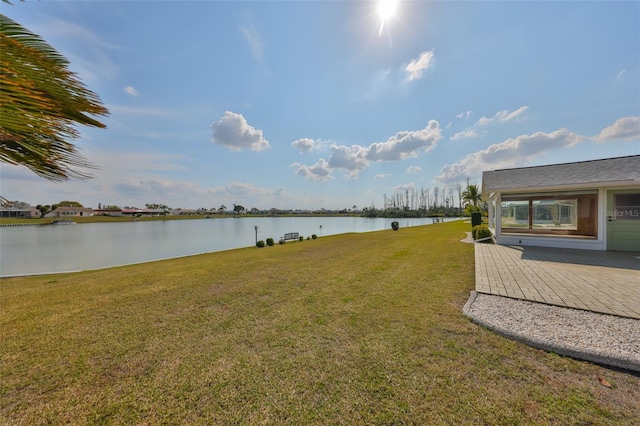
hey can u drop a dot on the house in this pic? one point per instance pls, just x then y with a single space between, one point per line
65 212
22 213
592 205
108 212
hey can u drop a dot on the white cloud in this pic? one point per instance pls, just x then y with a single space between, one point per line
621 74
405 144
348 158
467 133
382 175
416 67
414 169
464 114
304 144
255 42
319 171
155 189
130 90
242 191
233 131
389 80
404 187
626 128
503 116
355 158
510 153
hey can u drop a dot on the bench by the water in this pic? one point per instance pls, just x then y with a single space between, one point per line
437 220
290 236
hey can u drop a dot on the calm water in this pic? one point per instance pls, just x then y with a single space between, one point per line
62 248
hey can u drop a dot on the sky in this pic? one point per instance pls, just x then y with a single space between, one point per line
325 104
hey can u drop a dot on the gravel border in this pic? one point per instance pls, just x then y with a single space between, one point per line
604 339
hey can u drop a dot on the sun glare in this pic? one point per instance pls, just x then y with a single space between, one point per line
386 10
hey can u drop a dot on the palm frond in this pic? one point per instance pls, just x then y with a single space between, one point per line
41 101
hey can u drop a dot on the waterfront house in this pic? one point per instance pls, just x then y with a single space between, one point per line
68 212
592 205
21 213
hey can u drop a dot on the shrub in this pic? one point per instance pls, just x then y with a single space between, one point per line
314 236
270 242
300 238
260 243
281 241
480 231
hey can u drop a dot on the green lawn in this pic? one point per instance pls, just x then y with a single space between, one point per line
349 329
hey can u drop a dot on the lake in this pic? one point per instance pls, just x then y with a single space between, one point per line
29 250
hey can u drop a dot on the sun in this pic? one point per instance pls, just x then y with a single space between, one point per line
386 10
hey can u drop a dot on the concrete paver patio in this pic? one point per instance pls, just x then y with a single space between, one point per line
604 282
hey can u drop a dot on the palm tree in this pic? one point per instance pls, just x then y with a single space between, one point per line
40 101
471 196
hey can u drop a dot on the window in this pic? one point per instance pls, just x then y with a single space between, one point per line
553 214
515 214
627 206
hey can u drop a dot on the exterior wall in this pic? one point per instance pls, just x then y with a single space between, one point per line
70 212
558 242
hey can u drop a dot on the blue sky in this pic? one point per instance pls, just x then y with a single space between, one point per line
309 104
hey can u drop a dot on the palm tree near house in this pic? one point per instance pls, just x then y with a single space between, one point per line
40 102
472 197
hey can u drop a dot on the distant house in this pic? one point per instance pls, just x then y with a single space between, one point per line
65 212
132 211
22 213
591 205
108 212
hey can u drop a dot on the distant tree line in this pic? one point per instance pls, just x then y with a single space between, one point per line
427 202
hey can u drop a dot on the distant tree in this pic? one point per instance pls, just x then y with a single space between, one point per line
237 208
472 196
40 101
113 207
16 204
69 204
222 208
43 209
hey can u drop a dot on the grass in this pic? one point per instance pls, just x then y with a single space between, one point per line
349 329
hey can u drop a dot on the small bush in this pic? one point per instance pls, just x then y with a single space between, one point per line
260 243
480 231
281 241
314 236
300 238
308 238
270 242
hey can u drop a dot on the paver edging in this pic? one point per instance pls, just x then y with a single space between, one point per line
584 355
